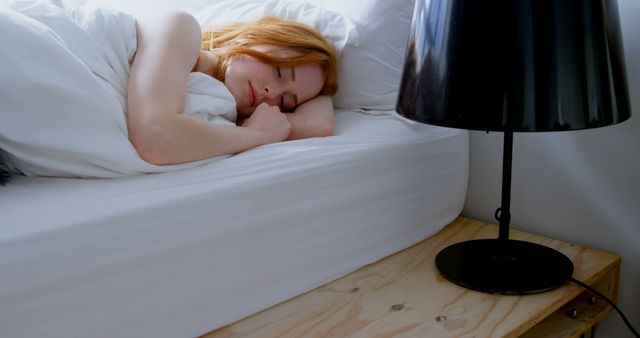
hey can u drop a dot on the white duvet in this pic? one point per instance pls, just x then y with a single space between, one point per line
63 89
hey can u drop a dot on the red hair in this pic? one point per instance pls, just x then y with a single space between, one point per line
230 40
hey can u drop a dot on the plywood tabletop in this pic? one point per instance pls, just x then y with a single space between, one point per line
403 295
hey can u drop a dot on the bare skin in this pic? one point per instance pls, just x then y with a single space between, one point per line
168 49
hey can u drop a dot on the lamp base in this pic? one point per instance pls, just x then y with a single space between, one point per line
504 266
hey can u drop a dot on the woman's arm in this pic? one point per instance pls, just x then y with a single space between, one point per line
313 118
168 47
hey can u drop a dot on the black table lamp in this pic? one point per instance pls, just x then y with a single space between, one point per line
513 66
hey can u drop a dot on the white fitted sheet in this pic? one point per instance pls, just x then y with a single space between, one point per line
179 254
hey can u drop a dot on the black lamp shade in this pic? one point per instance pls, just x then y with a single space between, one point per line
515 65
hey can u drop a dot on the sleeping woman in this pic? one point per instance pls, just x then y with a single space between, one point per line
116 95
279 72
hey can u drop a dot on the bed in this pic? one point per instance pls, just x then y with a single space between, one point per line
181 253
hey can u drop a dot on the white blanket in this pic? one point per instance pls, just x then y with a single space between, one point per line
63 89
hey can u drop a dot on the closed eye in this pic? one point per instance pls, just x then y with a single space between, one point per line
279 73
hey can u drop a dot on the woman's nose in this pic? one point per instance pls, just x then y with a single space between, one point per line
270 93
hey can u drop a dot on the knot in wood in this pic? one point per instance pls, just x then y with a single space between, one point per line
397 307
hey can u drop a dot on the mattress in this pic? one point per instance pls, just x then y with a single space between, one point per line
182 253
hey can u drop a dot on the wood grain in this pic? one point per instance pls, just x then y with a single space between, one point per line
403 295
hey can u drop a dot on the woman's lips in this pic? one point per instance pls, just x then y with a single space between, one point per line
252 96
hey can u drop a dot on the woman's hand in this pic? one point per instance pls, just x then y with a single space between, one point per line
270 122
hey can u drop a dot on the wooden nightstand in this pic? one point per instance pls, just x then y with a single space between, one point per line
403 295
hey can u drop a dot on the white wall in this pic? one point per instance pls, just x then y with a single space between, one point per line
582 187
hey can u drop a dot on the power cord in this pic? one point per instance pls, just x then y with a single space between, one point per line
594 291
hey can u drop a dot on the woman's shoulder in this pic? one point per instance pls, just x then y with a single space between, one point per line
175 30
172 23
181 19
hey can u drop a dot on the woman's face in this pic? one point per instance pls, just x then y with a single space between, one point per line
252 82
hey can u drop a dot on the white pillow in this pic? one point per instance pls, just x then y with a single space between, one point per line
334 26
370 74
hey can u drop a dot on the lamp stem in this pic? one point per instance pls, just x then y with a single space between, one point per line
504 215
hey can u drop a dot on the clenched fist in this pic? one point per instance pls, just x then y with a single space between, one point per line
270 122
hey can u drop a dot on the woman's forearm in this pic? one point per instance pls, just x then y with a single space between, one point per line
313 118
184 139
